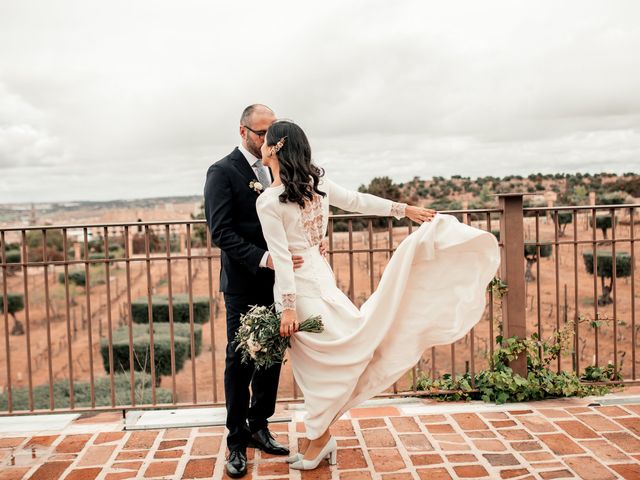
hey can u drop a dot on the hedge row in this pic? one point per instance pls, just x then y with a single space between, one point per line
605 263
141 348
160 309
82 393
15 302
77 277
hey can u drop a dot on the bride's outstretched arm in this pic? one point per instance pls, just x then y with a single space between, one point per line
368 204
276 238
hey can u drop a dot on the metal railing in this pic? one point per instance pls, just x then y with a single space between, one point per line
87 314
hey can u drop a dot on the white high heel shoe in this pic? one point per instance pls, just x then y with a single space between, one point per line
329 451
295 457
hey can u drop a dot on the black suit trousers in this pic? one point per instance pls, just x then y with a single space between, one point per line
246 412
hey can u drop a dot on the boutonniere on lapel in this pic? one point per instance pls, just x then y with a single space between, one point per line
256 186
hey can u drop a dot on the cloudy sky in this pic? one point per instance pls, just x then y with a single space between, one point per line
129 99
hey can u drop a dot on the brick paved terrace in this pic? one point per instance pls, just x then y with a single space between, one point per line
403 440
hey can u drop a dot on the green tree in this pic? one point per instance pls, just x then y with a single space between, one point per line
603 222
612 198
382 187
35 241
564 219
15 304
605 270
531 256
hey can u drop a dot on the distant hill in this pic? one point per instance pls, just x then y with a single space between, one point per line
566 189
22 213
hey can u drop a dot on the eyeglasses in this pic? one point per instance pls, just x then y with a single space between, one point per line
260 133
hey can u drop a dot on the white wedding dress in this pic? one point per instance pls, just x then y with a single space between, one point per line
431 293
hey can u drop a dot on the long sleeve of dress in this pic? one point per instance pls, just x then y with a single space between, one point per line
365 203
276 237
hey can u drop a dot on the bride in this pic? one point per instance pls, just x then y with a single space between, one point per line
431 293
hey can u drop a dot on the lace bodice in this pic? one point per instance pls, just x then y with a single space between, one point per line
312 220
289 228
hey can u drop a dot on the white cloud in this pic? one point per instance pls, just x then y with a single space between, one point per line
140 97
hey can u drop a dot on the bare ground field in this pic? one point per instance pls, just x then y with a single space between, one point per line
70 354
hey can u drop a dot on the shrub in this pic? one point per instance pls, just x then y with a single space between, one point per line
564 218
141 348
531 256
160 309
500 385
77 277
15 304
603 222
13 256
605 270
612 198
101 256
82 393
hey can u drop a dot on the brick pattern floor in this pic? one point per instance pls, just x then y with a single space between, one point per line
544 441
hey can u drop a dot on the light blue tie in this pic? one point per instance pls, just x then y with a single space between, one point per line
263 176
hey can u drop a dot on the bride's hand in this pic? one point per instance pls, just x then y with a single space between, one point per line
288 323
419 214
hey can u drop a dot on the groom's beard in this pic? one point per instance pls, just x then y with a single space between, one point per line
253 148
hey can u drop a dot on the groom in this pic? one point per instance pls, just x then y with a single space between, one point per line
246 279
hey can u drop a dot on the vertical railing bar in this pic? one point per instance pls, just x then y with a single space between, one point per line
453 361
191 321
214 378
351 276
538 291
472 339
491 333
87 290
371 265
68 318
390 239
5 311
633 289
614 268
331 242
128 255
152 358
174 394
25 261
107 278
433 362
595 285
45 259
556 247
576 325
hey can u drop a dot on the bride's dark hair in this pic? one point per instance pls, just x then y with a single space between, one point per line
300 177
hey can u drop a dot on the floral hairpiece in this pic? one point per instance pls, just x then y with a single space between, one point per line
279 145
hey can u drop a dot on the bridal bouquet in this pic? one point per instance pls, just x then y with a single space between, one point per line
259 339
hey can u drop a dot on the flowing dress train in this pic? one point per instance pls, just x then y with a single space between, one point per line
432 292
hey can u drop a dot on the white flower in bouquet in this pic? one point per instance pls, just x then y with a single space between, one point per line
254 347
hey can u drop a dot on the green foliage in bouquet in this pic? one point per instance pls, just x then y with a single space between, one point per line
258 338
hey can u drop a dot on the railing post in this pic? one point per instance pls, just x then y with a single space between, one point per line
514 319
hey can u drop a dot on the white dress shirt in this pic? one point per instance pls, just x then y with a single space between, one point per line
251 158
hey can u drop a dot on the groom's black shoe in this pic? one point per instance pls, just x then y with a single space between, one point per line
237 464
263 440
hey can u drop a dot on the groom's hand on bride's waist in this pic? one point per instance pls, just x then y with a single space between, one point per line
296 259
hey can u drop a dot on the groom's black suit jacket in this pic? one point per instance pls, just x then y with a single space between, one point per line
230 210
